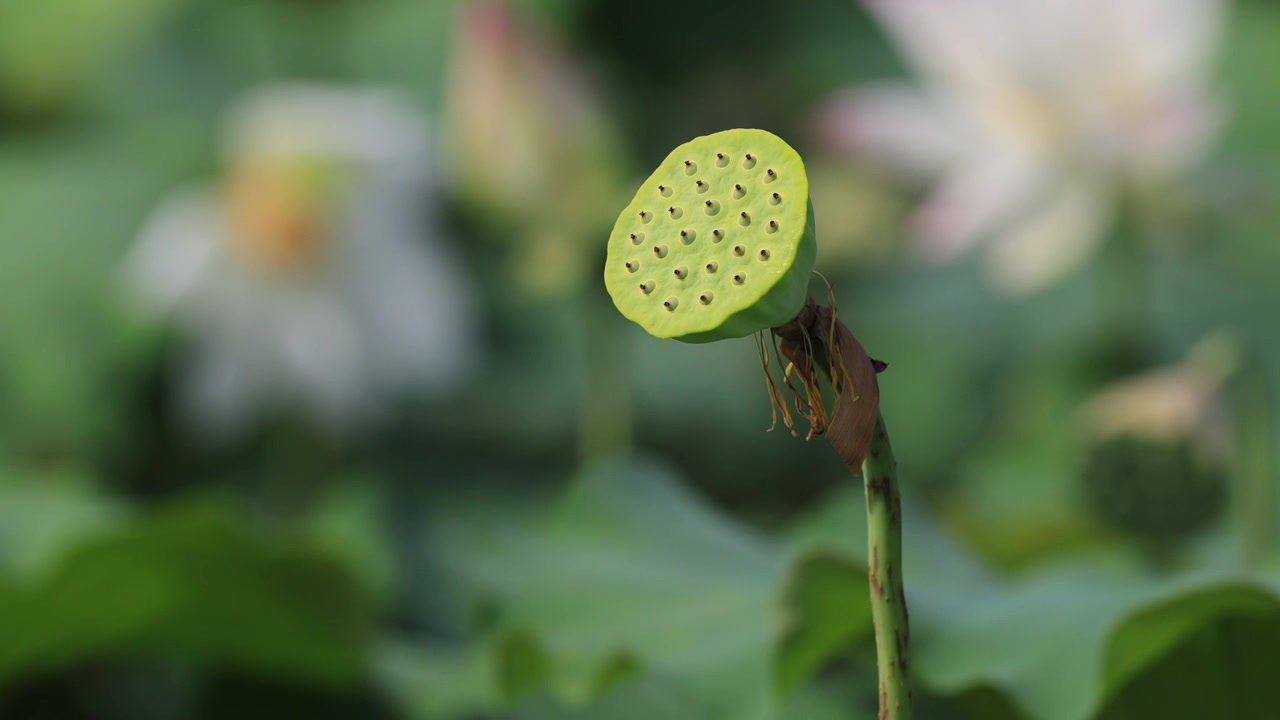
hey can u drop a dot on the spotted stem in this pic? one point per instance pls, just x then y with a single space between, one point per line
884 574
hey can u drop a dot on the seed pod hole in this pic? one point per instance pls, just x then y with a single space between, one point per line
770 175
739 192
764 254
660 250
645 216
681 272
665 190
722 160
739 250
749 161
675 212
632 265
744 219
739 278
702 187
717 235
706 297
646 287
712 207
774 199
712 267
637 238
690 167
687 236
773 227
670 303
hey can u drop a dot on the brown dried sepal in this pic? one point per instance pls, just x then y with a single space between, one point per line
817 340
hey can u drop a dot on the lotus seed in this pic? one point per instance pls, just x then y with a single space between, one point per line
647 286
676 212
713 207
749 162
660 250
670 303
774 199
739 250
633 265
637 238
706 297
711 267
717 234
644 216
682 272
690 167
665 190
772 175
739 278
702 187
745 219
773 227
764 254
688 236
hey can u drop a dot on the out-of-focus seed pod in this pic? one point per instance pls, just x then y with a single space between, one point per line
1159 450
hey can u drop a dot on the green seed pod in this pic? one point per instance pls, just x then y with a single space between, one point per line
1160 447
734 204
1156 490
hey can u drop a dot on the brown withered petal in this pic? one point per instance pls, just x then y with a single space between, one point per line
818 339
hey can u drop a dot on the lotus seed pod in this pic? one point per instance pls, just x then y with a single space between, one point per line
1156 490
734 204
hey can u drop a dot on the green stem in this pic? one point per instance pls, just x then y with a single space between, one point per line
806 341
1256 473
884 570
605 427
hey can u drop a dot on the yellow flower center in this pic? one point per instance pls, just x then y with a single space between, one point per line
282 213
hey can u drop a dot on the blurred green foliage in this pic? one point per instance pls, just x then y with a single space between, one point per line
596 524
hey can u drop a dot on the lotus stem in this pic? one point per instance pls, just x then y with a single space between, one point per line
884 574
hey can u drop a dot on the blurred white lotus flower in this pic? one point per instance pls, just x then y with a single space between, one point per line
310 278
1035 118
530 144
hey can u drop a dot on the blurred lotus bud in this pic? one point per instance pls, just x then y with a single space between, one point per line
533 153
1160 449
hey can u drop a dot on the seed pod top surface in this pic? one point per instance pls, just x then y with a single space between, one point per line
718 241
